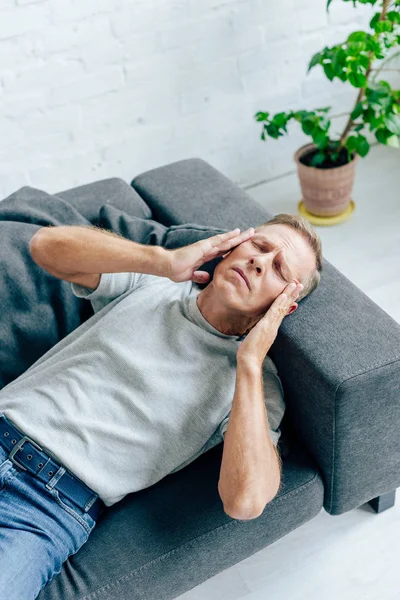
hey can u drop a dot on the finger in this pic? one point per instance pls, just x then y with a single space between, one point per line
292 290
226 235
200 277
279 309
225 241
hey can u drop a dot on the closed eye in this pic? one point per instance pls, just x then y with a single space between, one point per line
278 269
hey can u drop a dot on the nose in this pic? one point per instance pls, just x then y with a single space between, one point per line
262 263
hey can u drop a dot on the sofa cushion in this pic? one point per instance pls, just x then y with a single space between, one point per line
88 199
192 191
161 541
147 231
139 229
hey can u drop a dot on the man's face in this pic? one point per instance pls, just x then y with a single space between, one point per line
273 257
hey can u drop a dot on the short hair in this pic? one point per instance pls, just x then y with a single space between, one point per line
302 226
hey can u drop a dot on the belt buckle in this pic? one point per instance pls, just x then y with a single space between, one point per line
19 446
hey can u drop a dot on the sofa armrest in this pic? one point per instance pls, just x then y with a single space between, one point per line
338 355
339 362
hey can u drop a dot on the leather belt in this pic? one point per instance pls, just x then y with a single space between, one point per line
29 456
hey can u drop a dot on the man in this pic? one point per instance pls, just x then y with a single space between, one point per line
144 386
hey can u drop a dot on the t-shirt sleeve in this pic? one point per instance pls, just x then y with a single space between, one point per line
111 286
274 402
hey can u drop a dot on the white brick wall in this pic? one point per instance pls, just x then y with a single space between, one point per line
91 89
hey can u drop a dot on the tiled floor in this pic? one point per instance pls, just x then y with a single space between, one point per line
354 556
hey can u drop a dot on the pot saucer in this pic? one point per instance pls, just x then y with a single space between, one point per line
329 220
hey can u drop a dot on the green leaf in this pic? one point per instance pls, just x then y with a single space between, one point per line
359 127
384 25
327 5
320 138
328 70
379 90
316 59
356 79
357 36
392 123
280 119
374 45
300 115
339 63
393 16
307 126
374 119
393 141
378 97
362 146
351 143
382 134
263 135
384 84
317 159
261 116
273 131
363 60
374 20
357 111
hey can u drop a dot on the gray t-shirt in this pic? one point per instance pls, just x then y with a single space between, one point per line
138 391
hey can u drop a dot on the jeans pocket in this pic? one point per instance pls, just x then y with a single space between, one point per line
84 519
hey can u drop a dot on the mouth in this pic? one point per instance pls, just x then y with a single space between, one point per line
243 276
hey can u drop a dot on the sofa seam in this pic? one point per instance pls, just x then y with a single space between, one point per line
232 523
372 367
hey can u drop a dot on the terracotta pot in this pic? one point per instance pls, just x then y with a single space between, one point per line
326 192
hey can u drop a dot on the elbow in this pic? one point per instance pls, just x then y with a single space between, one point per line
246 511
242 515
38 245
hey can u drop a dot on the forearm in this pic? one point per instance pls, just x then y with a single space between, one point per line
250 469
89 249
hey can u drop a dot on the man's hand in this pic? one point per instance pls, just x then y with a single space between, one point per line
259 340
184 261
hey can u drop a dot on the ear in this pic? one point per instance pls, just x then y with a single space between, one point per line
292 308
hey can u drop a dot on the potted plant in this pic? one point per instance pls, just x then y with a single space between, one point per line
326 166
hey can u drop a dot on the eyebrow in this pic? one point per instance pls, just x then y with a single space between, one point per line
288 270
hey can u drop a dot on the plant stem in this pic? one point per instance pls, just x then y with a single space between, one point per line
350 123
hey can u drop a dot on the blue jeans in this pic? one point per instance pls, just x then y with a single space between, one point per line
39 530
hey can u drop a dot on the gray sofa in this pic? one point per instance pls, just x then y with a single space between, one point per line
338 358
